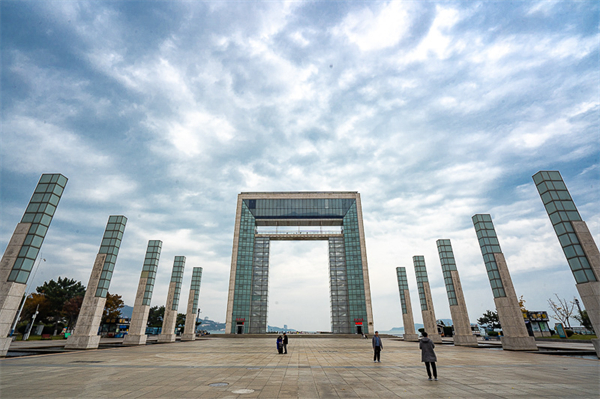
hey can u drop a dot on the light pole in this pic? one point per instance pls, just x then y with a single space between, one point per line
26 336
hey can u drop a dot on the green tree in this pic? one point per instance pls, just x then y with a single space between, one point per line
584 320
58 293
489 320
112 308
155 316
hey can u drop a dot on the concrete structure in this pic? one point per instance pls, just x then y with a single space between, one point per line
427 311
576 241
515 336
86 330
189 332
170 317
332 216
23 248
456 299
407 315
143 297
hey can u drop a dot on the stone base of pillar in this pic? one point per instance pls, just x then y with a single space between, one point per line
188 337
83 342
411 337
166 338
596 343
465 340
135 339
436 338
519 343
4 345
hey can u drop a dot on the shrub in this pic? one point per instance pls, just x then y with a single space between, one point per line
492 333
569 333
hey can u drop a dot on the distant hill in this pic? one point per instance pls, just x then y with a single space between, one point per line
126 312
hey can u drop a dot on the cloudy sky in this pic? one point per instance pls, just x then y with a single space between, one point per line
433 111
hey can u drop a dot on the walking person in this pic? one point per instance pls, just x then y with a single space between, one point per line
428 355
285 343
377 347
280 345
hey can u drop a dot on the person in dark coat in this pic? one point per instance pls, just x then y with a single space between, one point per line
280 345
428 355
377 347
285 343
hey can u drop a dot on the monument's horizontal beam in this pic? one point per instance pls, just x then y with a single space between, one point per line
298 236
299 222
298 195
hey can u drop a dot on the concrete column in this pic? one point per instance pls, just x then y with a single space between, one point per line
407 316
22 251
88 322
427 311
456 299
576 241
189 332
143 298
170 317
515 335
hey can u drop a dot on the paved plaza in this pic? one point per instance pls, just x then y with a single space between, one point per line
314 368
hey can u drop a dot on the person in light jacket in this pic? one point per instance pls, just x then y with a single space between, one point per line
428 355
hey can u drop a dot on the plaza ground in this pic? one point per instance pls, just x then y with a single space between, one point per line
314 368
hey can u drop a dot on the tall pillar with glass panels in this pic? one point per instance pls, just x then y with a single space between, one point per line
23 248
189 332
576 241
170 318
407 315
427 311
515 336
143 298
332 216
86 330
458 307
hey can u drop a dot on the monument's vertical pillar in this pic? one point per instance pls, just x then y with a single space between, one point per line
458 307
22 250
427 311
260 286
407 316
189 332
86 330
576 241
515 336
143 297
170 317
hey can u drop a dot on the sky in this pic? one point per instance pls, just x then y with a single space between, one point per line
165 111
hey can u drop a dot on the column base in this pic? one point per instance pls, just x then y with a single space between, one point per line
166 338
135 339
83 342
188 337
436 338
411 337
465 340
596 343
519 343
4 345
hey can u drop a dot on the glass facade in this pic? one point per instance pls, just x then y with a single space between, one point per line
149 269
448 264
39 213
402 286
250 297
196 280
562 211
177 278
111 242
488 242
421 273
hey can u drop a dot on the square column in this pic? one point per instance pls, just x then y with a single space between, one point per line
88 322
407 316
170 317
141 307
515 333
22 251
189 332
456 299
576 241
429 320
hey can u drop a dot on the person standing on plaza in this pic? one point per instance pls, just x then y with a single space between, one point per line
285 343
280 345
377 347
428 355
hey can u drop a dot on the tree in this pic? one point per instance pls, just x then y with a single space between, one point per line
584 320
71 310
155 316
58 293
522 304
112 308
490 320
36 301
563 310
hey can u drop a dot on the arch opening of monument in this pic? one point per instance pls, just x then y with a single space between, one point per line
335 217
